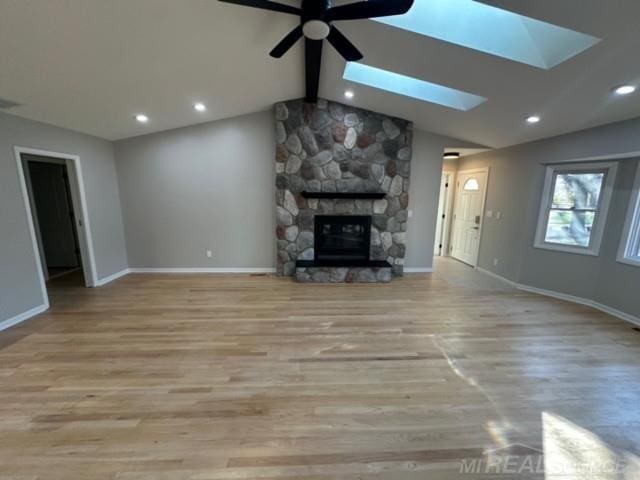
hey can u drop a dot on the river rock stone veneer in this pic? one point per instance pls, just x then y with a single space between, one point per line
331 147
343 275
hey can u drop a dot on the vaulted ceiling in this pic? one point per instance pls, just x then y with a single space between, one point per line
91 65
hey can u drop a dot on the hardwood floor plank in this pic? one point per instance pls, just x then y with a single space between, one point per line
225 377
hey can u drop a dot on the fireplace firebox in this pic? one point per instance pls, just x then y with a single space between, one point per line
342 252
342 238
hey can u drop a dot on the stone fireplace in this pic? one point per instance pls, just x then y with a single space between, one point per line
342 188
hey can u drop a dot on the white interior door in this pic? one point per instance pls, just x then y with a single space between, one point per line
468 215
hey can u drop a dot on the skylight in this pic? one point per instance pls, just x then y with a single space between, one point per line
494 31
411 87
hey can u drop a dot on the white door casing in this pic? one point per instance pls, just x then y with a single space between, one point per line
76 182
445 204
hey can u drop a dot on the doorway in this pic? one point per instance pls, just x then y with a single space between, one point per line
56 210
468 215
54 216
445 203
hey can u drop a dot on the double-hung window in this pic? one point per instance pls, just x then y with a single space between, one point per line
574 206
630 244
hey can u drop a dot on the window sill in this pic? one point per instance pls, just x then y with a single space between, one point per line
567 249
629 261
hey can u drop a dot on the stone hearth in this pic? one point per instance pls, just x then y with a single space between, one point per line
343 274
330 147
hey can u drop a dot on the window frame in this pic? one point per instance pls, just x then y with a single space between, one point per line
601 212
630 241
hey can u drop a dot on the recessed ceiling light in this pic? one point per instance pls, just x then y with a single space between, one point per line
348 94
142 118
451 155
533 119
200 107
624 89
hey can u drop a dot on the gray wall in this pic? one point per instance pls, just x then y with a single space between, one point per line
205 187
212 187
424 193
515 185
618 284
19 281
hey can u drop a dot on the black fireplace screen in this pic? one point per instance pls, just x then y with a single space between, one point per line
342 237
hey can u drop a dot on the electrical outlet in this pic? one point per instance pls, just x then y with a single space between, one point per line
410 214
495 262
489 214
209 254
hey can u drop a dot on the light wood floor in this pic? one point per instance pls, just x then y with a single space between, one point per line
256 377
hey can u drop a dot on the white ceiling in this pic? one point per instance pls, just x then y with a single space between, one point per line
90 65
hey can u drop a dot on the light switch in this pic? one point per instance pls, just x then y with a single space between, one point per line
489 214
410 214
498 215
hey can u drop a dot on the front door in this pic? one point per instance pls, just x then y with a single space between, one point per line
468 215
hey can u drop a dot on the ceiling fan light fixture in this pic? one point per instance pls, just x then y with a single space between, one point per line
316 30
316 25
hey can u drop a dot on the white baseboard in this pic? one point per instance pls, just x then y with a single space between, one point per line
127 271
418 270
627 317
202 270
22 317
582 301
498 277
111 278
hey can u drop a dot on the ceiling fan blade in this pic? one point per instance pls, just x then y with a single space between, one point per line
369 9
344 47
287 42
313 62
266 5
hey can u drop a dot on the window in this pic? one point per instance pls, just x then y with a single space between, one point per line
471 185
573 211
630 244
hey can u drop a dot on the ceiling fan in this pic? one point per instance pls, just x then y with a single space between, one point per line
316 17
